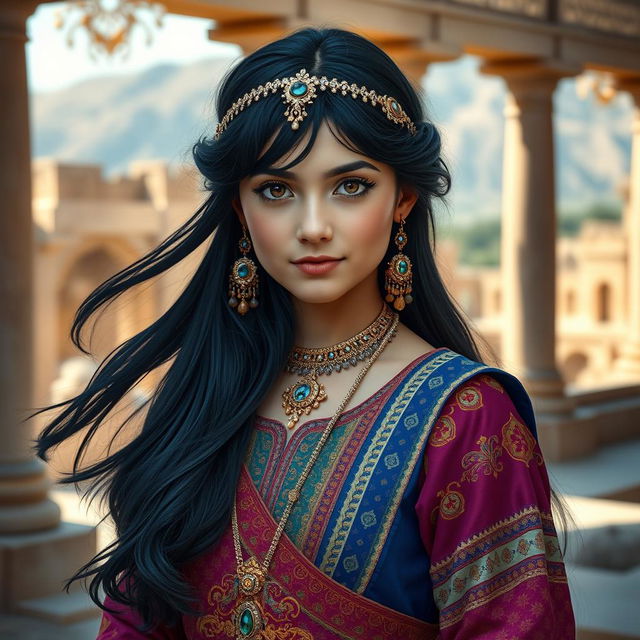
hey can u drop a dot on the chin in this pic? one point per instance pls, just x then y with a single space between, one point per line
316 293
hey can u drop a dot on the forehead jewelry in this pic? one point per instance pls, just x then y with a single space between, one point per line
300 90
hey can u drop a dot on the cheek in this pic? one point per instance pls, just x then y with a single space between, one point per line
268 236
374 227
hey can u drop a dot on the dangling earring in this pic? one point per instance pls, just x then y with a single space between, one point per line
398 276
243 279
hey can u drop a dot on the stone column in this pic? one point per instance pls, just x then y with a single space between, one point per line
628 365
37 551
24 505
528 244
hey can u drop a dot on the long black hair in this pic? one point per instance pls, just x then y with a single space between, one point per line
170 489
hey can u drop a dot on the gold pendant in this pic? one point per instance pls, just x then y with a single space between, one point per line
248 617
301 397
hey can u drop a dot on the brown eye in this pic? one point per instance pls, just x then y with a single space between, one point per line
273 191
277 190
351 187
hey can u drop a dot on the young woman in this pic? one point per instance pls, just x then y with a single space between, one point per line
326 455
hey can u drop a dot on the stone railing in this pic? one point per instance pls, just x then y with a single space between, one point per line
610 414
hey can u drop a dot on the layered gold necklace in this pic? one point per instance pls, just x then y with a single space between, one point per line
307 393
249 615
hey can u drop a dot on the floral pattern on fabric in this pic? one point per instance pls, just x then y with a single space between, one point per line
444 430
518 441
469 398
496 566
471 553
484 461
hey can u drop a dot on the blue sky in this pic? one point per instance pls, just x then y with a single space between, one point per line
53 65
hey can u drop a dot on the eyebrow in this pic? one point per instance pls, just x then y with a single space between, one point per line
336 171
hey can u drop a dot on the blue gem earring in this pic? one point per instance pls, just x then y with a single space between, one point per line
243 279
398 276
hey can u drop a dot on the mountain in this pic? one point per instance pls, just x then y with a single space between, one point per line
162 111
158 113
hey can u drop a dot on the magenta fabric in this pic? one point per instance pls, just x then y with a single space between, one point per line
484 518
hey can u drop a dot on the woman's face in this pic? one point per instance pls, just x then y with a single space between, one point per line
335 204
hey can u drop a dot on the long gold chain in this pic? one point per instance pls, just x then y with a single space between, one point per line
294 493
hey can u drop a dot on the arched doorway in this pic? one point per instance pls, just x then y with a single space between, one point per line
573 366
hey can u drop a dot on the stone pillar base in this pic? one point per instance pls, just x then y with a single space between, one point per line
34 567
566 438
547 392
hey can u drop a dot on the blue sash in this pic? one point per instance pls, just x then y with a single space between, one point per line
370 541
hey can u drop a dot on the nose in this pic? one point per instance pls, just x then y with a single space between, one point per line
314 225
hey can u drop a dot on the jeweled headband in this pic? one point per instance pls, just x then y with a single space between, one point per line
299 91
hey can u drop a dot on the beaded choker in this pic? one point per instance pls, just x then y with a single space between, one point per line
299 91
306 394
252 576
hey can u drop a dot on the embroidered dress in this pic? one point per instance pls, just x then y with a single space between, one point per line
427 515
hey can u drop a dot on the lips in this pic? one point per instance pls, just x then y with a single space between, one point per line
316 259
317 265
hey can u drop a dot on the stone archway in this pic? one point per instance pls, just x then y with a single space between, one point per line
87 272
573 365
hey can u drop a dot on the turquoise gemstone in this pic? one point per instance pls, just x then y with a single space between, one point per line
395 106
246 622
400 238
403 267
298 89
301 392
243 271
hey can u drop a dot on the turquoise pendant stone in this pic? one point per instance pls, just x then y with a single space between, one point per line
298 89
403 267
247 622
243 271
400 238
301 392
395 106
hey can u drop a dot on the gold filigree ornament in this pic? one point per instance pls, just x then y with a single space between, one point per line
243 279
301 397
307 393
251 618
110 23
300 90
398 276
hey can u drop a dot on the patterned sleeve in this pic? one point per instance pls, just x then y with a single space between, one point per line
485 520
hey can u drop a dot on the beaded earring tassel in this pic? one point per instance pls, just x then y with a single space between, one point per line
243 279
398 275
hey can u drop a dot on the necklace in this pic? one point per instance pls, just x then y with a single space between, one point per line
307 393
249 617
